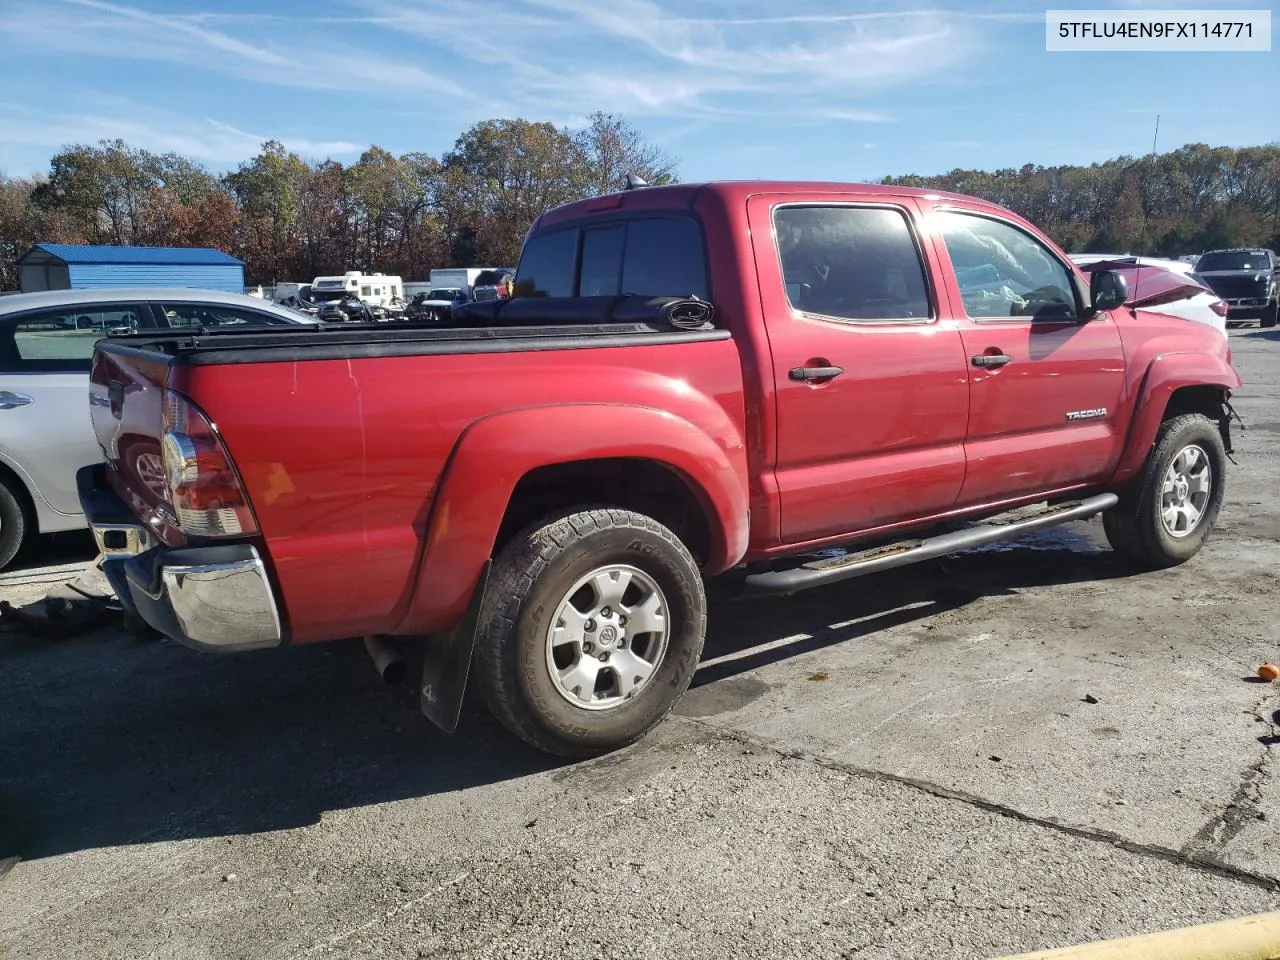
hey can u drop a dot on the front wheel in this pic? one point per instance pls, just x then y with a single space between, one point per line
1167 513
591 630
1268 318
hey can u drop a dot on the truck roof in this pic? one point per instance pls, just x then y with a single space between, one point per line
735 192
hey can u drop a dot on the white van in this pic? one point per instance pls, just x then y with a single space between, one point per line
464 278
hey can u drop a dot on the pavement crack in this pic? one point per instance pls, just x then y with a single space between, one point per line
1212 839
1207 861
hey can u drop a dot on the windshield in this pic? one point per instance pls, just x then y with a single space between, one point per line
1235 260
489 278
328 296
448 293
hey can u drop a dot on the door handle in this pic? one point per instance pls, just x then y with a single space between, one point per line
9 400
991 360
810 374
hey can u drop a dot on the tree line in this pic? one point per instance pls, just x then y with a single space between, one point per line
293 219
1192 199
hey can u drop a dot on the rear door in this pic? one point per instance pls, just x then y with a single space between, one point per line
1045 383
45 431
871 390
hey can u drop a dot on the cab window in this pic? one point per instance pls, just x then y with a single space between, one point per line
1004 272
644 257
851 263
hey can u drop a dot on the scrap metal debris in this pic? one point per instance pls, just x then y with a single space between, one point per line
68 609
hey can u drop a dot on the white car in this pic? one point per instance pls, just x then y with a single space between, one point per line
46 345
1194 301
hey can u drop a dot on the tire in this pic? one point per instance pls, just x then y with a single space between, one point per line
526 676
14 523
1268 318
1137 527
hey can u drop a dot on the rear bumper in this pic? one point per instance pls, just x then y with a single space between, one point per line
215 598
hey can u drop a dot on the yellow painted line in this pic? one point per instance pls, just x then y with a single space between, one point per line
1247 938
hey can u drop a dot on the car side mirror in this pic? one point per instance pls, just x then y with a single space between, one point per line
1107 290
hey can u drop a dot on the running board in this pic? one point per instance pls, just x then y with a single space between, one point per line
822 572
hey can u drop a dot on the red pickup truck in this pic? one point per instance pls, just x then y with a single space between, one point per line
689 381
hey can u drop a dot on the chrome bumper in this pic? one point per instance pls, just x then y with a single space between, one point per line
211 598
208 598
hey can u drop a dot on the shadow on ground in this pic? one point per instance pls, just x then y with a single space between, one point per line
54 549
110 740
861 607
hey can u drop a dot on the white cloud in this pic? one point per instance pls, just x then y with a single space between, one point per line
212 141
109 30
454 62
638 57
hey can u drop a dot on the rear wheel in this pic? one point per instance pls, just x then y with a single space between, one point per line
1167 513
13 521
592 628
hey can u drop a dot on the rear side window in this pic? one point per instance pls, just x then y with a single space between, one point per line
59 341
651 257
853 263
601 261
548 264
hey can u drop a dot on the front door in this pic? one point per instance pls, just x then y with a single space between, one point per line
870 385
1045 382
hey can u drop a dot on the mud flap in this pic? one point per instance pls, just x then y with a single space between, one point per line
1224 425
448 663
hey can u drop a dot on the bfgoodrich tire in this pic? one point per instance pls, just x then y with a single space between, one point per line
591 630
1167 513
13 523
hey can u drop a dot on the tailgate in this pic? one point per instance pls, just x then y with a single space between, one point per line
126 403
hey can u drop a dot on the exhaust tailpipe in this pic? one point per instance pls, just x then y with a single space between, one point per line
390 665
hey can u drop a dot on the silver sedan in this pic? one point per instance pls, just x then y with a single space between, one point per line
46 346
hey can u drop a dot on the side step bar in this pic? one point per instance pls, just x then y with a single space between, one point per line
822 572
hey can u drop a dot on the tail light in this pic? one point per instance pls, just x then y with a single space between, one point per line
204 488
1219 307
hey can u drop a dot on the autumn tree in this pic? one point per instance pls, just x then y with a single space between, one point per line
268 189
611 149
409 213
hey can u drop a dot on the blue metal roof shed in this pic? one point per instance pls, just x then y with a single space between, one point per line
71 266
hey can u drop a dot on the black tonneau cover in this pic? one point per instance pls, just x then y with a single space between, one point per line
225 345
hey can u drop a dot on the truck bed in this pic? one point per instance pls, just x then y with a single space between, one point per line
349 440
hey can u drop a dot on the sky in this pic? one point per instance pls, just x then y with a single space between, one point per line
732 89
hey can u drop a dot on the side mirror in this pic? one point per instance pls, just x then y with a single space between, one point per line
1107 290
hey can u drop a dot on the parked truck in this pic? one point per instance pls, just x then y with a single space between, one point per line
780 385
1248 280
457 278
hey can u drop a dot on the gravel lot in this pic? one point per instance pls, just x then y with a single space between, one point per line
912 764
